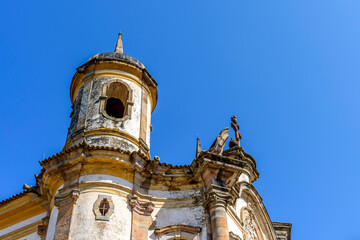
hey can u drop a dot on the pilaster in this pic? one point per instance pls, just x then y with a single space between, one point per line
217 199
141 218
66 204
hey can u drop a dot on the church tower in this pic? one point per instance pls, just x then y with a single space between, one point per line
113 96
103 185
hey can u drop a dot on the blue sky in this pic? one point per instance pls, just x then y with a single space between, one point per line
288 69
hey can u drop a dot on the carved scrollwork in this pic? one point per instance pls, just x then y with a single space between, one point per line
249 223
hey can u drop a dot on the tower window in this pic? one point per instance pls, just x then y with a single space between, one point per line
104 207
116 101
115 108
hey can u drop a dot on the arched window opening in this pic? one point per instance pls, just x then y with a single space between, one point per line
117 95
104 207
115 108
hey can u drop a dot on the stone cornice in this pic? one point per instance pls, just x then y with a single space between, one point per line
83 147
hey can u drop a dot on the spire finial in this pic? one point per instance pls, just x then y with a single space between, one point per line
198 147
119 45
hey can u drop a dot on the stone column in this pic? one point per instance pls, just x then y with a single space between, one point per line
217 199
141 218
66 204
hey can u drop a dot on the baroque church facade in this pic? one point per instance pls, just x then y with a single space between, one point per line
105 185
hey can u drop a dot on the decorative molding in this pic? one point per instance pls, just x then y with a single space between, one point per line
23 211
71 197
141 207
143 146
234 236
22 232
111 132
249 222
218 196
236 218
178 232
96 209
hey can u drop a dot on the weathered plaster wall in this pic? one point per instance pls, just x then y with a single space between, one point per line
105 178
240 203
175 194
95 118
75 114
87 115
192 216
86 227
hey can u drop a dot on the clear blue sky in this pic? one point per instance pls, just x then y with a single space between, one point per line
289 70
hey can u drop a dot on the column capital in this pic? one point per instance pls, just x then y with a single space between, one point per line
141 207
218 196
65 199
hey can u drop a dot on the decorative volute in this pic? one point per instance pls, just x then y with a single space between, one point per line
113 96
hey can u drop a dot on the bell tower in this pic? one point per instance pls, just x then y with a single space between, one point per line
113 96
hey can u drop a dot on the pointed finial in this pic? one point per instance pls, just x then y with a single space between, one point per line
198 147
119 45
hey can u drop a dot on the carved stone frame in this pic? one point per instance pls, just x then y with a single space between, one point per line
178 232
249 212
96 209
128 105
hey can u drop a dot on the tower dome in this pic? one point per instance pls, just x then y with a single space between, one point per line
113 96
